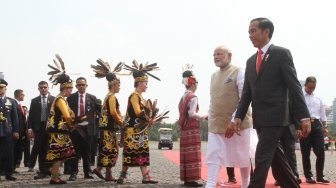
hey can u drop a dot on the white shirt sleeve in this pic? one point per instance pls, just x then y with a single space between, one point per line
240 85
322 112
192 108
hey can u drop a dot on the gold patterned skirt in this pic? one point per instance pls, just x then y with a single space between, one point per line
135 150
60 147
108 149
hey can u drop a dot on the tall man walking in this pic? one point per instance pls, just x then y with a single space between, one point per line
270 76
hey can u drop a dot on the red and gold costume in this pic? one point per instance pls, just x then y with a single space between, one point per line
136 150
109 124
60 118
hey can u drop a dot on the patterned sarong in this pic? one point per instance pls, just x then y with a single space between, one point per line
108 149
190 144
60 147
136 150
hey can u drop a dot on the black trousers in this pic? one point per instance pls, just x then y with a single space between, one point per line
82 146
39 149
26 151
93 148
18 150
21 146
288 145
270 152
7 154
314 140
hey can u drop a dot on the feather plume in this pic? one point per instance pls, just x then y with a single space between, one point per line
104 68
149 116
56 71
146 68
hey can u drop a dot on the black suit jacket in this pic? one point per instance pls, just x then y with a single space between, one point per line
269 90
22 120
90 108
34 117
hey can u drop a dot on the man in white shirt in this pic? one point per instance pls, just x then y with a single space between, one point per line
315 139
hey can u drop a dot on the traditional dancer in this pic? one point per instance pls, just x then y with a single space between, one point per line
60 123
141 115
110 120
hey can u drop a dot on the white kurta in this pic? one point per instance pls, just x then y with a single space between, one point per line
232 152
237 150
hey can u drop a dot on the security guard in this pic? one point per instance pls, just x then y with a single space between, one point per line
315 138
9 129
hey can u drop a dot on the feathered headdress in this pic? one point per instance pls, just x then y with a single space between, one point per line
103 69
140 71
58 75
188 76
149 116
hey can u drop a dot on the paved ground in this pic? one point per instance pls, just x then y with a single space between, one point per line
163 170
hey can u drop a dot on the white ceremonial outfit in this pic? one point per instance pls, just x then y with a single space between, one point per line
226 88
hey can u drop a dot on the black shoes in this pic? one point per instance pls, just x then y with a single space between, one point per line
322 180
299 180
10 178
149 181
40 176
88 176
232 180
95 171
73 177
192 184
310 180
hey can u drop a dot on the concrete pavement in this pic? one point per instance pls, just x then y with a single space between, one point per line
162 169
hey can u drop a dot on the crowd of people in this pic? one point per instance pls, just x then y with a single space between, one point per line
257 113
66 127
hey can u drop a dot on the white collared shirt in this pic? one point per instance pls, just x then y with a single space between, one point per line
265 48
315 106
46 98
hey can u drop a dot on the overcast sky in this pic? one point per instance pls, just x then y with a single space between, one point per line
170 33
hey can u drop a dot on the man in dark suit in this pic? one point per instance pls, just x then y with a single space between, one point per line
20 145
84 106
269 78
37 121
9 129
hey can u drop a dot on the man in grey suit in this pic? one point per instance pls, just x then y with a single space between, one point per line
269 78
37 121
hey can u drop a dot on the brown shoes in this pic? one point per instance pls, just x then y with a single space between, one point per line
57 182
